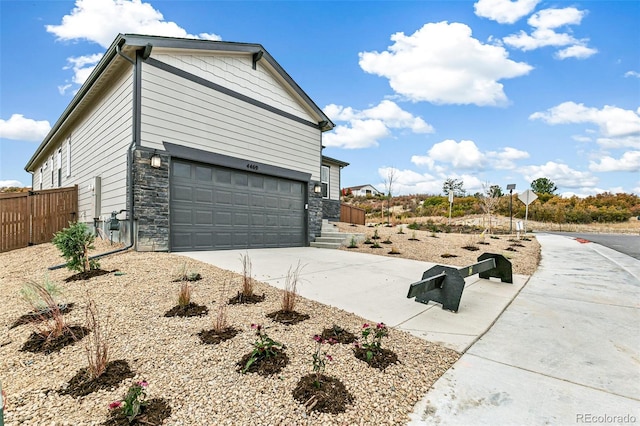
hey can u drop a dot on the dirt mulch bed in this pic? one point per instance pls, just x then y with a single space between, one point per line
380 360
83 276
331 397
212 337
81 384
190 310
152 414
40 315
471 248
265 366
241 299
37 343
338 334
287 317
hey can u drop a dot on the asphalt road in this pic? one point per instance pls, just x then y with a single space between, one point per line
624 243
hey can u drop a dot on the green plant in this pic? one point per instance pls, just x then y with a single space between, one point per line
263 347
353 243
415 225
320 358
375 235
75 242
371 340
185 275
375 244
133 401
401 231
368 240
290 292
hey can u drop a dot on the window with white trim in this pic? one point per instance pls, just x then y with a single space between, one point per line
68 157
53 169
40 177
59 168
324 181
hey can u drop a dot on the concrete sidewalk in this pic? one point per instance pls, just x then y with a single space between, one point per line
375 288
565 352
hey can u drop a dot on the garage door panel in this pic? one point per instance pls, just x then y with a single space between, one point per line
217 208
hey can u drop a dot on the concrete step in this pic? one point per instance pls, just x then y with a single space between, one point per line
335 240
318 244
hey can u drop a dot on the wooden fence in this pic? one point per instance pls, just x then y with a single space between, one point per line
350 214
28 218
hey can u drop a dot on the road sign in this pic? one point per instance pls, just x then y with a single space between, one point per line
527 197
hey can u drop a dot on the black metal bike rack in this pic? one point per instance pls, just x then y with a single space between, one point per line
445 284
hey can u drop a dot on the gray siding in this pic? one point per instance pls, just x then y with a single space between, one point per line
177 110
334 182
100 136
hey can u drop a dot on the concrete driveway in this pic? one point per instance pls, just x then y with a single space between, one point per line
375 288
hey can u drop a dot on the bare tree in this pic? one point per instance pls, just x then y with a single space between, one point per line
389 180
488 200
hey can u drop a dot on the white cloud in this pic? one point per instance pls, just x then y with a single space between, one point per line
632 141
632 74
577 51
613 122
561 174
11 183
581 138
545 24
359 134
443 64
504 11
466 155
82 67
629 162
23 129
99 21
410 182
365 128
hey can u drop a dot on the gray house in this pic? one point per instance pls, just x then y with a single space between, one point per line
193 145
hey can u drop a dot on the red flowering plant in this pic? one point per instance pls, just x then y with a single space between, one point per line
133 402
320 358
372 338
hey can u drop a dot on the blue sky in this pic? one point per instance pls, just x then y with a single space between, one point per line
490 92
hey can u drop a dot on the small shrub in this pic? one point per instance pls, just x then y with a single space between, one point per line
185 275
32 296
371 340
376 245
401 231
263 347
52 322
387 240
220 323
415 226
394 251
290 292
96 345
375 235
133 402
353 243
368 241
75 242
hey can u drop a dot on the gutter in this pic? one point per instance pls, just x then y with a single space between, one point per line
136 111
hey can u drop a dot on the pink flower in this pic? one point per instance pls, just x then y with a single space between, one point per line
365 325
329 357
115 404
256 327
317 338
143 383
380 325
356 344
332 341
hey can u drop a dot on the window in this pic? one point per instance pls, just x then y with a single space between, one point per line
324 181
52 170
40 178
59 168
68 157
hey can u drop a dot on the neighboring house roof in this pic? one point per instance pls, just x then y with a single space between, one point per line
338 163
126 43
355 188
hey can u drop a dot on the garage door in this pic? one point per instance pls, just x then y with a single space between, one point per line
215 208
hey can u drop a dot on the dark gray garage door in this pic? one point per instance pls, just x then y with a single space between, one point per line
218 208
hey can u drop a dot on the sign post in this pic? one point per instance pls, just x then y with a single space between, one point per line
450 205
527 197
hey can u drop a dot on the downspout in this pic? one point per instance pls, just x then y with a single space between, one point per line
129 166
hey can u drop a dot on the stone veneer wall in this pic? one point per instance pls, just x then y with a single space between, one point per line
151 202
315 212
331 210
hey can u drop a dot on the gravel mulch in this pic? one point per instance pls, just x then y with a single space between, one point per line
450 248
199 382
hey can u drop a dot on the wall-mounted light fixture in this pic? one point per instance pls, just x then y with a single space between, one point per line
156 161
317 188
